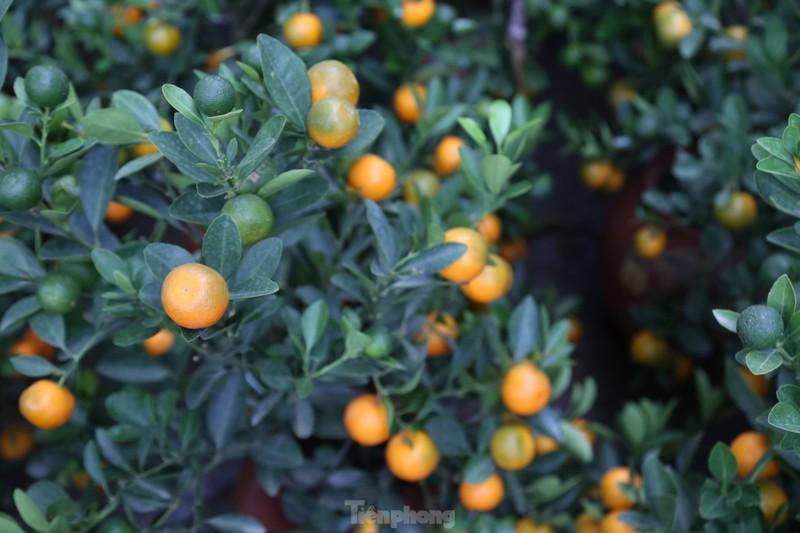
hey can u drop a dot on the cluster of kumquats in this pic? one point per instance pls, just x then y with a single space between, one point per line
311 249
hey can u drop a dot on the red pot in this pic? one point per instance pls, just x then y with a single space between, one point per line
250 499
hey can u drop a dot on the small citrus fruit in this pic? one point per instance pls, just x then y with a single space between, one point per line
439 328
472 261
738 213
649 242
412 455
20 189
46 404
748 448
417 13
512 447
612 493
161 38
760 327
160 343
446 157
16 443
526 389
492 283
214 96
333 78
613 524
648 349
366 420
252 216
408 102
58 293
772 497
420 182
194 296
483 496
372 177
303 30
332 122
117 213
46 86
490 228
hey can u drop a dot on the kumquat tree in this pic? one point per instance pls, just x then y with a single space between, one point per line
399 265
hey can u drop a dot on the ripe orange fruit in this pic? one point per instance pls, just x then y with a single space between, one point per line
366 420
16 443
143 149
303 30
612 524
649 242
25 347
46 404
586 524
648 349
118 213
439 328
615 180
772 497
492 283
526 525
595 174
160 343
759 384
483 496
583 425
368 525
514 250
372 177
490 228
473 260
738 213
575 330
80 480
545 444
446 157
217 57
682 367
417 13
411 455
525 389
748 448
620 93
512 447
610 489
124 17
161 38
406 106
332 122
424 181
332 78
194 296
672 23
739 33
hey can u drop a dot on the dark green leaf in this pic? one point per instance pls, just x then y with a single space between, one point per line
286 80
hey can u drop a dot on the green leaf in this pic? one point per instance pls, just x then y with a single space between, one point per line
576 442
236 523
385 238
222 246
18 312
29 511
279 451
284 180
135 165
18 128
50 328
253 287
475 132
262 145
96 182
9 525
17 261
784 416
171 146
261 259
139 108
722 464
370 126
110 450
496 170
127 368
313 323
33 366
433 259
524 329
449 435
499 121
195 209
182 102
162 258
91 462
195 139
762 362
109 265
726 319
478 469
111 126
782 297
286 80
224 412
299 197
